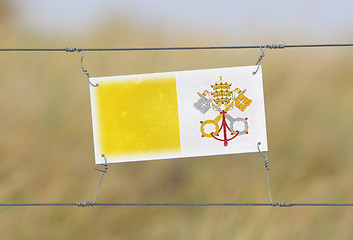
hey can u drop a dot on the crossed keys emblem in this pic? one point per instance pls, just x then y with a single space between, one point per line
222 100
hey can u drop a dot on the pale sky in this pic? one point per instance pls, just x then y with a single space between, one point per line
314 20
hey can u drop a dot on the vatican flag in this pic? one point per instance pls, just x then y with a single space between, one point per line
178 114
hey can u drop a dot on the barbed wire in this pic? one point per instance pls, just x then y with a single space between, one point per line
271 46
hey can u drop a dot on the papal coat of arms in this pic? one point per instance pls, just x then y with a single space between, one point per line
222 100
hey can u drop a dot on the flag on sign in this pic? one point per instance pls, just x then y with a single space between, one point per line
178 114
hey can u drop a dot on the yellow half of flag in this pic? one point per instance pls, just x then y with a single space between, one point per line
138 116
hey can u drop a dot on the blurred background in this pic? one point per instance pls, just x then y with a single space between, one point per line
46 141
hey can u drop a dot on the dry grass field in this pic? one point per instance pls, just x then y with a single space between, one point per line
46 146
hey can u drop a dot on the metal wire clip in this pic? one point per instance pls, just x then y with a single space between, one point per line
86 72
103 172
263 154
260 59
273 46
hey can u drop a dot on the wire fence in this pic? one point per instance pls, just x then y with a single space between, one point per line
89 204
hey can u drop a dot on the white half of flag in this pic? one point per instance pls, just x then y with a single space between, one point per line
178 114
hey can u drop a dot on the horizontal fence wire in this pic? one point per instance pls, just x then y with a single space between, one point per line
88 204
272 46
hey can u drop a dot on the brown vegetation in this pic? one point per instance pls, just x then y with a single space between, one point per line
46 147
